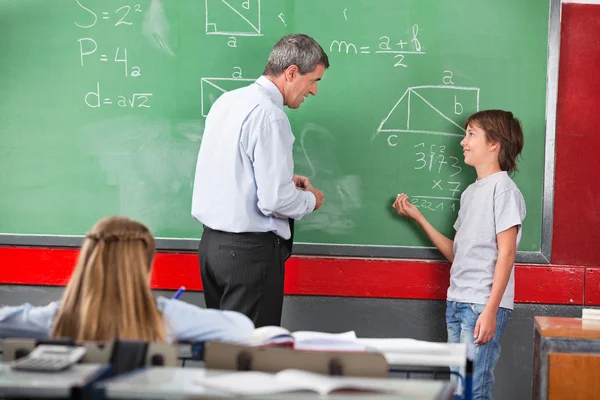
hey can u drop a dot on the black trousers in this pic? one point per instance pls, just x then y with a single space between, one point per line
244 272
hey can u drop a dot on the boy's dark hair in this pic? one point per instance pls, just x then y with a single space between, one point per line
504 128
297 49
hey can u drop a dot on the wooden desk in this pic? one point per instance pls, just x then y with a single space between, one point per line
566 359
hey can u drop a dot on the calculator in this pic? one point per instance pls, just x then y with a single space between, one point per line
50 358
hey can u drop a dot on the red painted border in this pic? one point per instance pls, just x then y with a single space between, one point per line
549 284
592 287
347 277
576 192
354 277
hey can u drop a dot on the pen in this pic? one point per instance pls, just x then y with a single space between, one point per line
179 292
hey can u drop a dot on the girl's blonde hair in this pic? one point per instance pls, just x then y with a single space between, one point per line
109 296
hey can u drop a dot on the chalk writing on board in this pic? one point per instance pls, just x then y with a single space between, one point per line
444 103
237 72
434 203
415 40
124 15
342 44
241 19
447 79
281 18
94 99
399 51
432 159
431 111
88 47
450 186
435 158
90 50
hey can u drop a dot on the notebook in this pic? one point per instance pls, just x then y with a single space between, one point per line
254 383
306 340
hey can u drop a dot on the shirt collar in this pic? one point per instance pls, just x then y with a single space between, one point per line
274 93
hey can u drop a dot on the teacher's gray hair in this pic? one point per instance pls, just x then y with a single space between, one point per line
297 49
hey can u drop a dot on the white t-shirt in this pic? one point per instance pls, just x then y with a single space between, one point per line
487 207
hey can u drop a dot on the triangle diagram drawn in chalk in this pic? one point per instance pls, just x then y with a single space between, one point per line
435 110
233 17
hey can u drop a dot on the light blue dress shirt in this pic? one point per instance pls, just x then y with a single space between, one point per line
244 172
183 322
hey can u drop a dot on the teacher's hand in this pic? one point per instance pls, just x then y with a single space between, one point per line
318 195
301 182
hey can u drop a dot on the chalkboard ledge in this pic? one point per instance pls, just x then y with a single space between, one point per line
306 249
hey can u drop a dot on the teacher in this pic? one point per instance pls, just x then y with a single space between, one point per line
246 194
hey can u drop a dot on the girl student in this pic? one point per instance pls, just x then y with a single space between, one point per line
108 297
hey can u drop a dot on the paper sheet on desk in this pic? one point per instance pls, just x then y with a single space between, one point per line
345 341
310 335
418 352
405 346
306 340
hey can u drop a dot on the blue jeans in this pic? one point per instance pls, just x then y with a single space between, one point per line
460 322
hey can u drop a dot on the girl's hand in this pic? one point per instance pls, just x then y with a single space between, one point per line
405 208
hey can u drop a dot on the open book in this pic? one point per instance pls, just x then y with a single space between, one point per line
306 340
254 383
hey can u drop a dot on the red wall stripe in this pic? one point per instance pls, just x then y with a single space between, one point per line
173 270
355 277
36 266
549 284
576 191
592 287
350 277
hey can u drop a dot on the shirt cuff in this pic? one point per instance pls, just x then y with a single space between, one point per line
312 201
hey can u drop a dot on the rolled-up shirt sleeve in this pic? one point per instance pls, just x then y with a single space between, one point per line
187 322
27 321
273 170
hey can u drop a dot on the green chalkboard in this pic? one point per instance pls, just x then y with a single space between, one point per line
103 104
